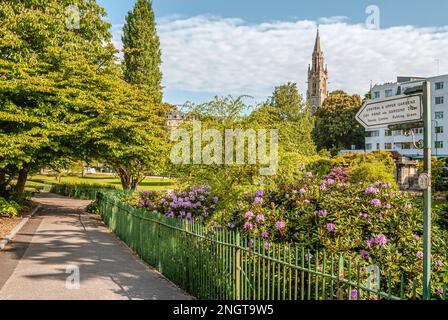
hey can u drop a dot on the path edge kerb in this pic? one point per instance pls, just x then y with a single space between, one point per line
17 228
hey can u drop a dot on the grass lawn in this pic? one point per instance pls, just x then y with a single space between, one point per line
153 184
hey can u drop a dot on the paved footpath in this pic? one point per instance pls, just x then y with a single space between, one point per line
41 261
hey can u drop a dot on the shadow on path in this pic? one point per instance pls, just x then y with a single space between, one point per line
64 237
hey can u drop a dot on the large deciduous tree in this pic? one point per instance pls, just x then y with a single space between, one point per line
335 124
141 47
46 71
63 97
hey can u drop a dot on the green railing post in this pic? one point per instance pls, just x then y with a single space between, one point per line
238 267
427 192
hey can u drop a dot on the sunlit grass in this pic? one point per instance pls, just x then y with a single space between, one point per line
149 184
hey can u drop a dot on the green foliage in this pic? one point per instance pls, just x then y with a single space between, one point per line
335 124
44 94
141 46
9 208
368 173
373 226
364 168
284 111
63 98
93 207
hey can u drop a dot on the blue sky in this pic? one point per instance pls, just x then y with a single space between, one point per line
218 47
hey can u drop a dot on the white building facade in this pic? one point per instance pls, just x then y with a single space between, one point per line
396 140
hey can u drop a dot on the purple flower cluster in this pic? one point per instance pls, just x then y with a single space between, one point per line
376 202
280 225
364 254
338 175
371 190
320 213
189 204
380 240
330 227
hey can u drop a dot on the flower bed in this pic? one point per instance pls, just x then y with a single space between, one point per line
373 225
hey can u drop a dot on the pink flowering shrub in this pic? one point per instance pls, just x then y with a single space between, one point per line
193 203
373 224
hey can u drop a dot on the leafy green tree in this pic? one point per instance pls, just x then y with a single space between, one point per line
335 124
129 135
286 111
141 46
41 103
63 97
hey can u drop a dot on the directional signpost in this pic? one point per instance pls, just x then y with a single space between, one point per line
409 110
396 110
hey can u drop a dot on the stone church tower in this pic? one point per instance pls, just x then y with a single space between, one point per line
317 78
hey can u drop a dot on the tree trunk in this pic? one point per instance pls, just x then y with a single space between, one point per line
21 181
3 183
125 178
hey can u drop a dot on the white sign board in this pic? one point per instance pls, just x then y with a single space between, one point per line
394 110
424 181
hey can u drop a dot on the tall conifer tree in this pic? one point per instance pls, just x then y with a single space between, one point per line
142 56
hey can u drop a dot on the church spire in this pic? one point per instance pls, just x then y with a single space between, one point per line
317 77
317 48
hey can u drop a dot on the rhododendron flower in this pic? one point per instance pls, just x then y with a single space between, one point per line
330 227
302 191
439 291
258 200
388 206
419 254
306 201
354 294
259 218
248 215
248 226
376 202
323 187
320 213
381 240
308 174
266 245
280 225
416 237
296 235
364 254
408 206
371 190
259 193
265 234
439 263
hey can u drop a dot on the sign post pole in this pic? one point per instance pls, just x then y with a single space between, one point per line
427 191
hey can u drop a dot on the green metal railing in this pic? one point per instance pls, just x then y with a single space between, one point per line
85 192
224 265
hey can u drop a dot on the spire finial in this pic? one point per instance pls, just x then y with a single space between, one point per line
317 44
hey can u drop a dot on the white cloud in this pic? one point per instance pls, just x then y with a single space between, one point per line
222 56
